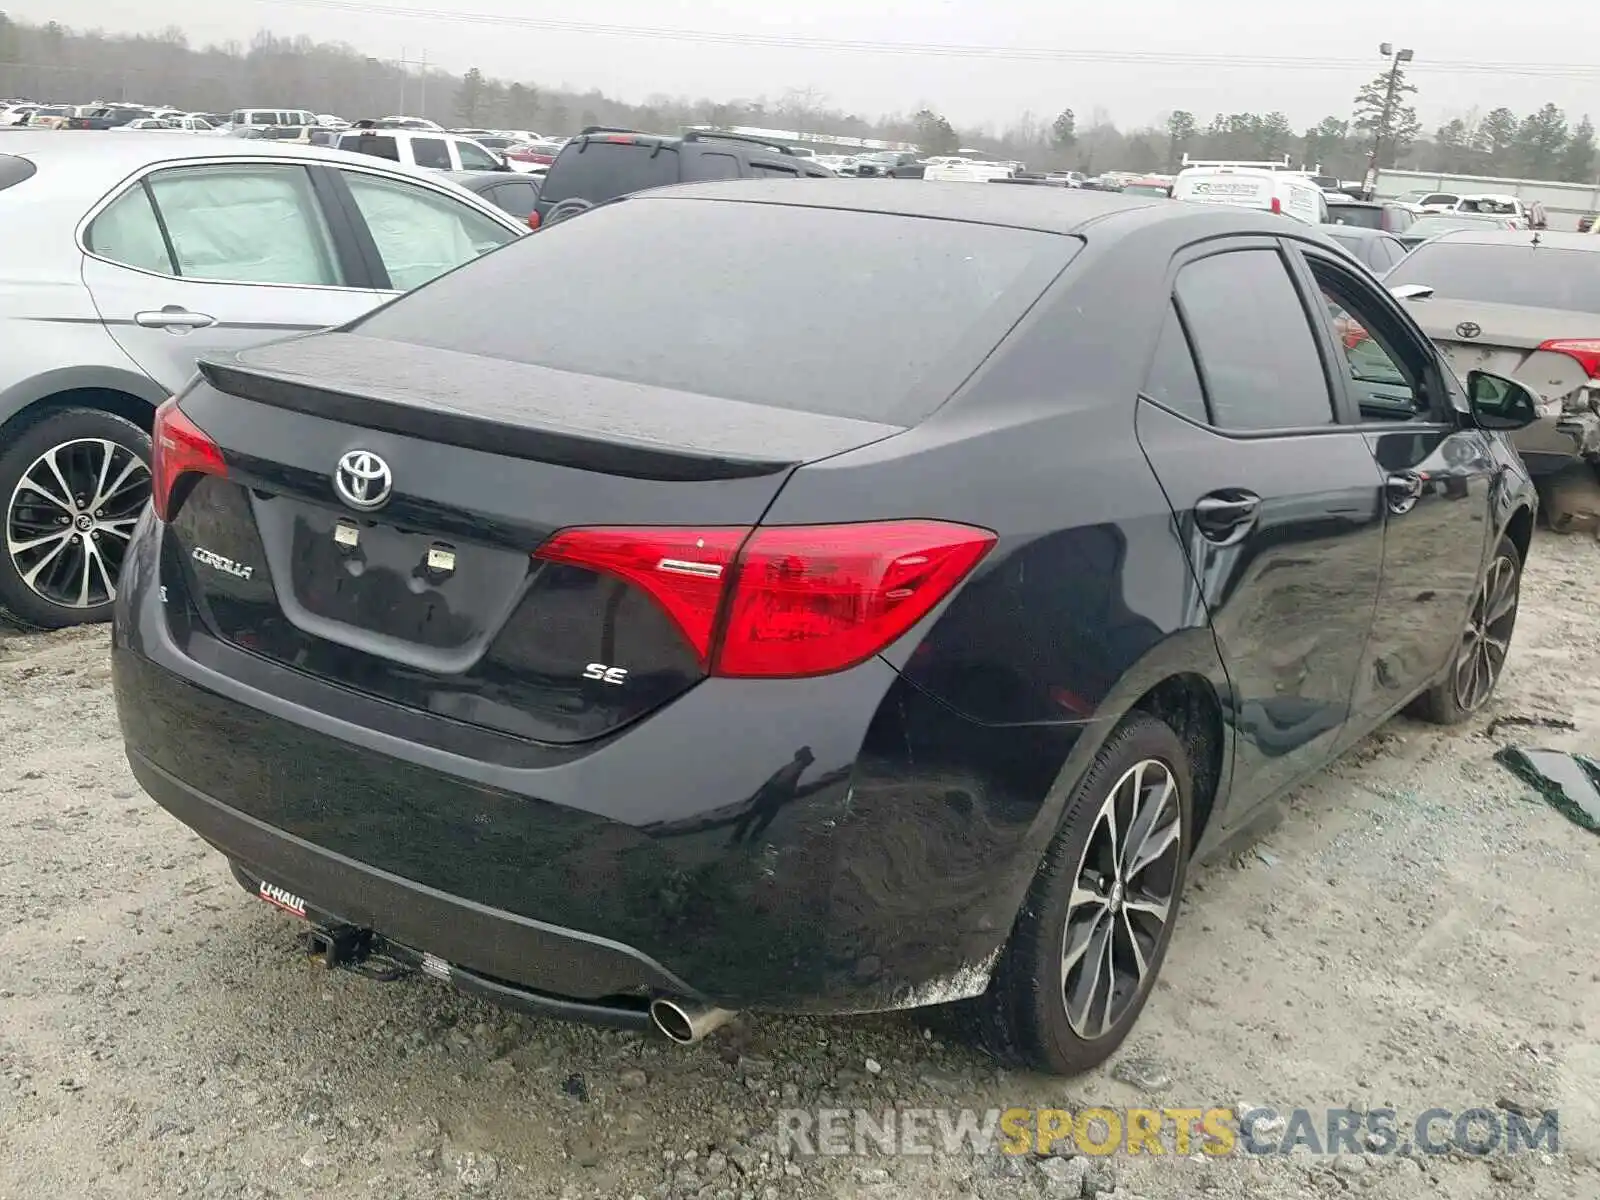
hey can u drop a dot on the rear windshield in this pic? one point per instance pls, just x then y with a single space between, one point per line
1355 214
379 145
1427 227
837 312
598 171
1534 276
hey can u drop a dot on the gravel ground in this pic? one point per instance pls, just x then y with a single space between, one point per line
1417 932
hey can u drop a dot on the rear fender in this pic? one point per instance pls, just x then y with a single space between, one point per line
1191 651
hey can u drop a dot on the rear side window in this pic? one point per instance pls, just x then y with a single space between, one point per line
431 152
855 314
598 171
1173 381
1258 357
127 232
14 170
516 197
772 171
1358 215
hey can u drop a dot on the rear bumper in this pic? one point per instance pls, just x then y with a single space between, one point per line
498 944
670 859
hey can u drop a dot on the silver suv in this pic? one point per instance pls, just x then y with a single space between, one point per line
130 255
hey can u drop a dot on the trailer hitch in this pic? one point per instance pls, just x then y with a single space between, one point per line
351 948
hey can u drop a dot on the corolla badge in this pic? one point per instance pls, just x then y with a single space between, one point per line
1468 329
363 480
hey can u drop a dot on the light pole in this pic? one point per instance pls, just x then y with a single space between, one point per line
1395 57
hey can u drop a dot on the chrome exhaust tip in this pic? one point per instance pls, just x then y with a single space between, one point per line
685 1022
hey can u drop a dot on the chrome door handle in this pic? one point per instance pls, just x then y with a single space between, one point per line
172 318
1223 517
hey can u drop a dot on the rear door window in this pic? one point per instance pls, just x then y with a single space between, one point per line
246 223
717 166
1257 353
597 170
772 171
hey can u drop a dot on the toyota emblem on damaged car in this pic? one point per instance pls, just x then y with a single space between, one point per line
363 480
1468 329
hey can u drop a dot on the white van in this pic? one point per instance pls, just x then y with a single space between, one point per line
967 170
1253 185
272 116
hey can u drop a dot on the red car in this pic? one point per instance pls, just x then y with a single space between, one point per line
539 153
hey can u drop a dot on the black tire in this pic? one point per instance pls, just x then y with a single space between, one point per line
1486 637
1023 1017
58 546
565 210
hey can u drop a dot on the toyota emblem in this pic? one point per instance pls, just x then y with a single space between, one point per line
1468 329
363 480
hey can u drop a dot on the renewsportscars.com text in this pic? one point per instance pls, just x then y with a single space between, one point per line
1216 1132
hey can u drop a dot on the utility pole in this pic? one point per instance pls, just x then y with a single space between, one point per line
1396 58
405 64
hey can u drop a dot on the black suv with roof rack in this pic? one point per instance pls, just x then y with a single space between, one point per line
601 164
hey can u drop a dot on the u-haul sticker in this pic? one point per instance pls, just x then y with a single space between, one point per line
288 901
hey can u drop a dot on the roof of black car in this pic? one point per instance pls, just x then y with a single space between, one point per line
1054 210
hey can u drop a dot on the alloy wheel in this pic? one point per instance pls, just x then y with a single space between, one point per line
1488 635
1122 898
71 517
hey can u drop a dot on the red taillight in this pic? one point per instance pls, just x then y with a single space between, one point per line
1585 350
685 570
178 447
793 600
533 219
1277 205
808 600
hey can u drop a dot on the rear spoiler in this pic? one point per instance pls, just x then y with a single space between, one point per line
698 437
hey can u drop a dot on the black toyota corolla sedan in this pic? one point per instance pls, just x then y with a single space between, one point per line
831 599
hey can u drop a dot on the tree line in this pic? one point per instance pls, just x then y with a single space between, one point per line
52 62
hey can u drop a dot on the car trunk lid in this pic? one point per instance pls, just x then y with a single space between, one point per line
1505 339
430 595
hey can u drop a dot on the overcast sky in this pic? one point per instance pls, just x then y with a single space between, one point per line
1475 48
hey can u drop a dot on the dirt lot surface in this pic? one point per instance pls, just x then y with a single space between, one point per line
1418 932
